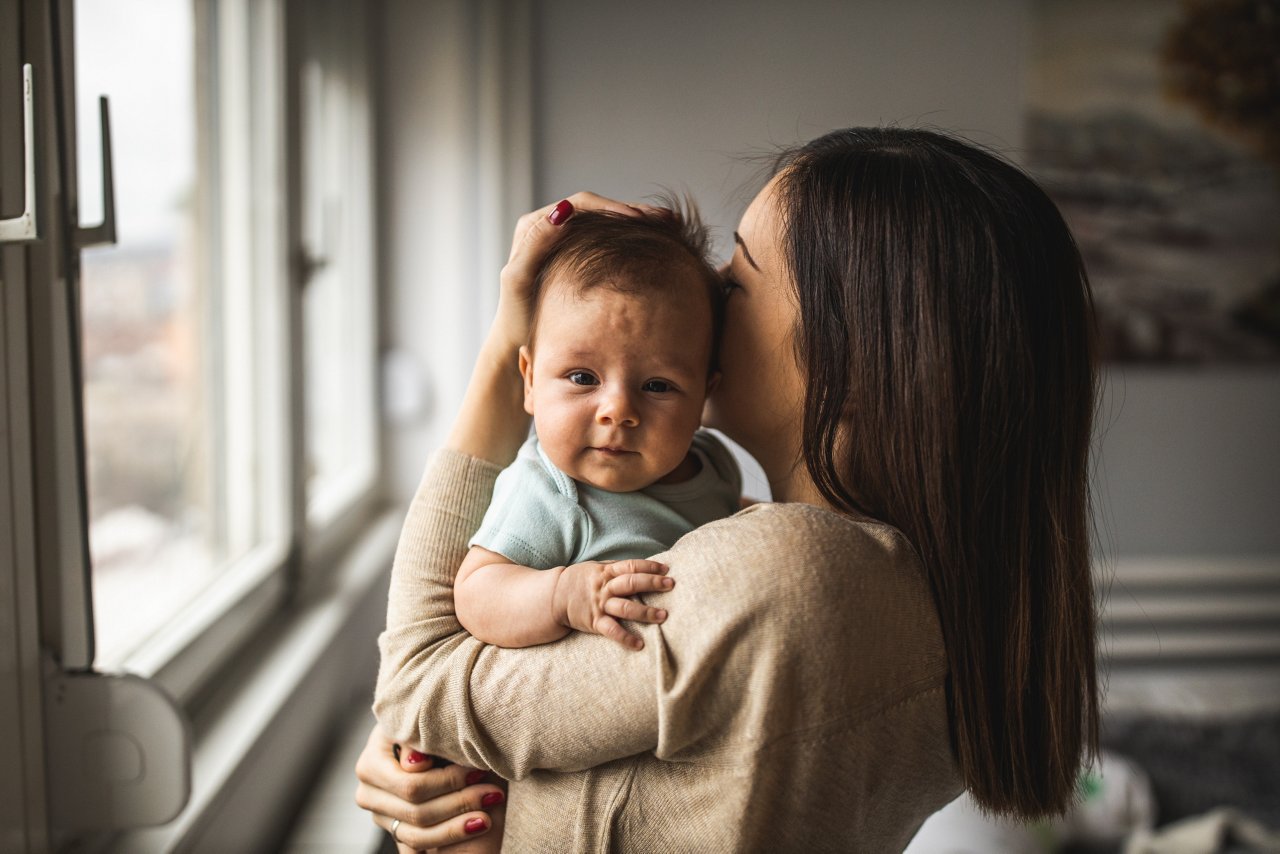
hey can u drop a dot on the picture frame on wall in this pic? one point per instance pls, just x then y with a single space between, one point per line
1155 126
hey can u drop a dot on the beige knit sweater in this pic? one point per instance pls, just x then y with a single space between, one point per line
792 701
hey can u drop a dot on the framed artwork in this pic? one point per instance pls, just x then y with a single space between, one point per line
1155 125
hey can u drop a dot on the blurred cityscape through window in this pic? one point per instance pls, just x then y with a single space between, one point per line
153 526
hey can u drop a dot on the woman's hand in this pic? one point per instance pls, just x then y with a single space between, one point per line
492 423
535 235
436 807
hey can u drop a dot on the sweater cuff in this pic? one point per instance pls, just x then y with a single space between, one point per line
460 482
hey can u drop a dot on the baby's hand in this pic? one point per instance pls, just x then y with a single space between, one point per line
589 596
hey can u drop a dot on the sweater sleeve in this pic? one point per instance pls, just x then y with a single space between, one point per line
785 621
565 706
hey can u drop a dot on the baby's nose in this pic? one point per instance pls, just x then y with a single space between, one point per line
617 407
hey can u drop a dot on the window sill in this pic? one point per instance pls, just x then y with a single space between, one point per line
267 727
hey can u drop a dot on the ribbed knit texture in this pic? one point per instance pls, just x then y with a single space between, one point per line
793 700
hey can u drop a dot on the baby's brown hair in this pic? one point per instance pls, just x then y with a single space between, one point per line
634 255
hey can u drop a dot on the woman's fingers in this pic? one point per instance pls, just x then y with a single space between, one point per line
413 761
535 234
410 837
437 811
377 769
377 765
537 231
410 796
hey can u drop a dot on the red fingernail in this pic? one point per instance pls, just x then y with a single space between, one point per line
474 825
414 757
563 211
476 777
492 799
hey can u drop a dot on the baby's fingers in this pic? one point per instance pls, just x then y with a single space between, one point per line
636 612
609 627
638 582
616 568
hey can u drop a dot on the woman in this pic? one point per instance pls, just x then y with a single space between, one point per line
908 353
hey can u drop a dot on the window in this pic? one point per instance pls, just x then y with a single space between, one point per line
177 356
225 412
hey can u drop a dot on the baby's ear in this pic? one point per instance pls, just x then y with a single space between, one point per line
713 380
526 371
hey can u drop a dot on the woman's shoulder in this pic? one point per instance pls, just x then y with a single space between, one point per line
803 529
792 545
814 584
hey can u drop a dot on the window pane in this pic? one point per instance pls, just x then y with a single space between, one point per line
154 525
337 238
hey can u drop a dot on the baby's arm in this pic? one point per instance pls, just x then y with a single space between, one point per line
509 605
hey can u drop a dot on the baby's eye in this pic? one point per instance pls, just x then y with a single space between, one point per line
728 286
657 386
582 378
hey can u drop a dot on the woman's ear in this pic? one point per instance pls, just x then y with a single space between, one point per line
713 380
526 371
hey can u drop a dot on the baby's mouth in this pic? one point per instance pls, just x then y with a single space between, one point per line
611 451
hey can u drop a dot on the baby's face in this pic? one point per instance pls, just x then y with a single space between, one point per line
615 382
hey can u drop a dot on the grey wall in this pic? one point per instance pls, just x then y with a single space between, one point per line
633 95
1189 463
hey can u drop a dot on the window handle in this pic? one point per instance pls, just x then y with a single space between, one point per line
103 234
24 228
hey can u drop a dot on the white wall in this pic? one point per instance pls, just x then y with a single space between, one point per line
631 96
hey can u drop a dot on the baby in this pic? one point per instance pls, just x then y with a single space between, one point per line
620 359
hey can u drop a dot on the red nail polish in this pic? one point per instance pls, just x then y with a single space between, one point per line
476 777
474 825
492 799
415 757
563 211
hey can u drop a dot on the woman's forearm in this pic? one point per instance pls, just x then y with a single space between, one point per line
445 692
491 423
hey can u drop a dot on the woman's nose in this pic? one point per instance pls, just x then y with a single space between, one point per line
617 408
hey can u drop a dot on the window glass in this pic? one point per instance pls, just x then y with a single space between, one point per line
153 528
171 325
337 232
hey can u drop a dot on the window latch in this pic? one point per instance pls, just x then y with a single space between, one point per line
103 234
25 227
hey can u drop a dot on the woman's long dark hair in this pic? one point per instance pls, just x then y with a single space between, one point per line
946 329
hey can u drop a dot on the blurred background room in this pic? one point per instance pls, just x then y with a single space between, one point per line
248 252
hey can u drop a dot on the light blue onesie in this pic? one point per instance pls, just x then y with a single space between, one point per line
542 518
